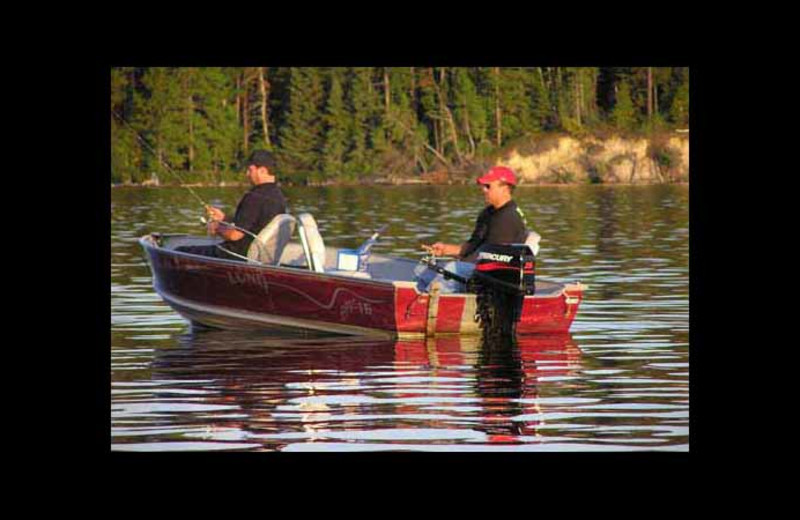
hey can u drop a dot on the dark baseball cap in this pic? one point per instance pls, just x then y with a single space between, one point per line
262 158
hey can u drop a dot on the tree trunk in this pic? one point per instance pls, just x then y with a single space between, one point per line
238 99
189 109
446 110
468 130
264 85
426 145
412 97
386 92
497 105
437 138
245 118
655 99
649 93
578 96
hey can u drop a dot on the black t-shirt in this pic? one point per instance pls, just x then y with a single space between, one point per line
504 225
256 209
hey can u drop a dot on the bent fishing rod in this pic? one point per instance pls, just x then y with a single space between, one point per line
163 162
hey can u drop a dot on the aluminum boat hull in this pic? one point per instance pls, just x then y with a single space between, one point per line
229 294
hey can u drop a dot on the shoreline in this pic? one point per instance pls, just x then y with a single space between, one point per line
411 182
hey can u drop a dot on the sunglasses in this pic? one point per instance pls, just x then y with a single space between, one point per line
487 187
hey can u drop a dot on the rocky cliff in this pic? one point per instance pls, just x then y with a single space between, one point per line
567 159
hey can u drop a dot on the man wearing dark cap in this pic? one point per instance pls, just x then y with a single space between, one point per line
255 210
501 222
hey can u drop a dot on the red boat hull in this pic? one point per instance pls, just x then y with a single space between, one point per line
230 294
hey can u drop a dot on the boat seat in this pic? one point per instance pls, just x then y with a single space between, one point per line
270 242
314 248
532 241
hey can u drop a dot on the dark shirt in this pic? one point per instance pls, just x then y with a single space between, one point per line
256 209
504 225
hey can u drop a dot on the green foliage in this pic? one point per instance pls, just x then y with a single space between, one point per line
360 105
336 124
624 113
561 175
663 154
679 111
299 151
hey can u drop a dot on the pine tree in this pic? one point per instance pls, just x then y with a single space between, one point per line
360 107
624 113
484 80
336 127
406 133
126 153
588 89
536 93
429 108
379 146
468 110
679 111
302 133
216 130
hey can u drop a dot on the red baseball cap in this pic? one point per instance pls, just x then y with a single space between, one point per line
498 173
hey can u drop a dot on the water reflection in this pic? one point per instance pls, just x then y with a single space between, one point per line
244 391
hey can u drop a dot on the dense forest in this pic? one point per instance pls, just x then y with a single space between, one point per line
329 124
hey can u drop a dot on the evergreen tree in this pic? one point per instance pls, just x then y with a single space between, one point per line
378 126
336 122
588 89
429 114
300 140
124 152
348 123
405 131
679 111
538 100
361 106
624 113
484 79
217 129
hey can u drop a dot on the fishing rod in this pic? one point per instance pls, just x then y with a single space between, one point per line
430 263
183 183
163 163
228 224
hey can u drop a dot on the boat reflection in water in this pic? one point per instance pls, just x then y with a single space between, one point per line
261 392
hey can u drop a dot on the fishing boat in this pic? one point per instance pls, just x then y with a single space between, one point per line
293 282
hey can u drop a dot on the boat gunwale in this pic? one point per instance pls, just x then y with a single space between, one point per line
148 241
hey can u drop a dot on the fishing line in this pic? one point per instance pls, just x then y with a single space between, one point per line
163 163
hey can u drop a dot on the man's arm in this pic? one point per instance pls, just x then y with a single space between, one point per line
441 249
228 233
216 225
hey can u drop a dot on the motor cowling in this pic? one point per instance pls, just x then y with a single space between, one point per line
512 265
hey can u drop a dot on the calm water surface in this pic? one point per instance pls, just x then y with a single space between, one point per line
618 381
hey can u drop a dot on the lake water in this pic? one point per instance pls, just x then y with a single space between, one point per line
618 381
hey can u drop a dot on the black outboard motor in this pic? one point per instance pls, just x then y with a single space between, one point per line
503 276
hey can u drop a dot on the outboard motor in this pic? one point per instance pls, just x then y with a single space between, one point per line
503 276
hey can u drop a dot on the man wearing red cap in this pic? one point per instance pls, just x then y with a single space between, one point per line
501 222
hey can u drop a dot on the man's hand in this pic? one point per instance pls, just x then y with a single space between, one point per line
215 213
441 249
